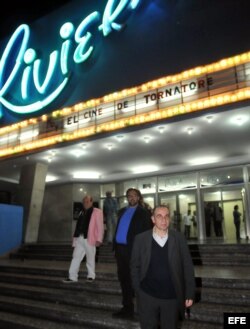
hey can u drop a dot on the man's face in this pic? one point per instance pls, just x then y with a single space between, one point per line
132 198
161 218
87 202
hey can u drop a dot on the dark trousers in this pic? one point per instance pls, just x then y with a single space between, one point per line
187 230
237 228
155 312
123 270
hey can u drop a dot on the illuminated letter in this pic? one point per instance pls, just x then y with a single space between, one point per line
65 32
80 55
110 14
41 88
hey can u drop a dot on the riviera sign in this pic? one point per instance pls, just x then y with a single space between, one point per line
35 89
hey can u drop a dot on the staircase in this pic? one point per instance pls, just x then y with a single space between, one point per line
58 252
221 254
36 297
212 254
33 296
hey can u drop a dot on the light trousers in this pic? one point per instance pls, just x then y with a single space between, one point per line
82 248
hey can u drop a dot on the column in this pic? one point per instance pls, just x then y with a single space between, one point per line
30 196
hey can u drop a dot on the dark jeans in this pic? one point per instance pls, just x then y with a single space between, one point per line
123 271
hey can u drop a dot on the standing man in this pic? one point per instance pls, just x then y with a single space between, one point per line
162 274
110 209
187 224
132 220
237 220
87 236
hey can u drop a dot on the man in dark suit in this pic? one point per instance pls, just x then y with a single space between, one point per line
132 220
162 273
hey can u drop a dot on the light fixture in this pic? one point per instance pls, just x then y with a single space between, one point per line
147 139
190 130
50 178
145 169
203 160
239 120
209 118
77 153
84 145
109 147
161 129
119 137
86 174
52 153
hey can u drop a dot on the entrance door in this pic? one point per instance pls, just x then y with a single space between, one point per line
225 199
180 203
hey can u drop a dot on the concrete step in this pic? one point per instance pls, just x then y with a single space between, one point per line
202 254
40 292
25 269
194 324
229 283
87 298
240 297
18 321
64 314
19 284
214 312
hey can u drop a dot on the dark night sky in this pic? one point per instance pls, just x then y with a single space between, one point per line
24 11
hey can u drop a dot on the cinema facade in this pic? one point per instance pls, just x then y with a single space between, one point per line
67 82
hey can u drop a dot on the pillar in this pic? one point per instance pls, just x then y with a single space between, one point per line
30 196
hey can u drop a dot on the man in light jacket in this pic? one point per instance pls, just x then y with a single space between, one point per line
87 236
162 274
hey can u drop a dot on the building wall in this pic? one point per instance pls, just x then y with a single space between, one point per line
57 222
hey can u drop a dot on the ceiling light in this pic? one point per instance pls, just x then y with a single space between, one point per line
239 120
50 178
147 139
119 137
190 130
109 147
203 160
77 153
209 118
145 169
86 174
52 152
161 129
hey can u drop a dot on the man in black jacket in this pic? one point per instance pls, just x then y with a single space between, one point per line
132 220
162 273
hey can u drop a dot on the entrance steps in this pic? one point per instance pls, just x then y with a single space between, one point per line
212 254
33 296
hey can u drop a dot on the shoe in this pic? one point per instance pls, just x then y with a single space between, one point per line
68 280
124 314
89 280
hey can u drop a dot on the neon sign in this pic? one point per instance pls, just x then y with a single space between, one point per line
25 75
